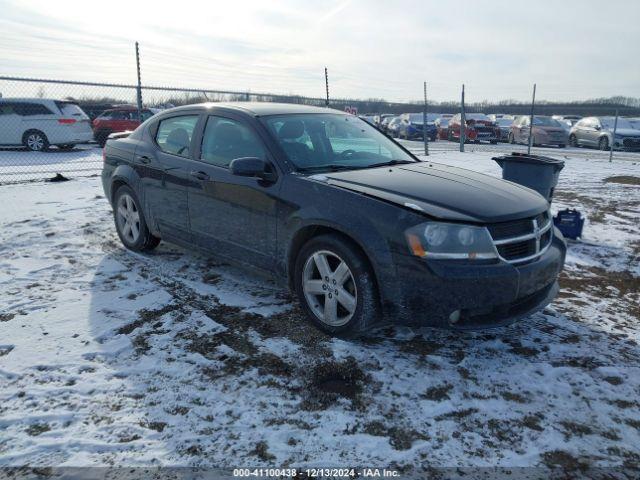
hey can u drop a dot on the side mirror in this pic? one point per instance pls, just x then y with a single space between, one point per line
598 127
252 167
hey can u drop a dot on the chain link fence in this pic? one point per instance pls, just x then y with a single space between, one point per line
50 127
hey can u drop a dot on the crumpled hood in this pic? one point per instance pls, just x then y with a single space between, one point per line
443 192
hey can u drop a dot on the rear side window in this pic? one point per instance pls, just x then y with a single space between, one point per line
106 115
174 134
226 139
6 109
31 109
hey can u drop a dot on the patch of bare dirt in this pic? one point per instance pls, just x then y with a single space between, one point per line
623 180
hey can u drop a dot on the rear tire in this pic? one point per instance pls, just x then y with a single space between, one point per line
336 286
35 140
562 145
130 222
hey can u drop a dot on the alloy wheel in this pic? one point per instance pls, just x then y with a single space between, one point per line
128 218
35 142
329 288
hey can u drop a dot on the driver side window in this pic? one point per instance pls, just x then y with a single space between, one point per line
225 140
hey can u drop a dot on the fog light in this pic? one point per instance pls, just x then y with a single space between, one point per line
454 317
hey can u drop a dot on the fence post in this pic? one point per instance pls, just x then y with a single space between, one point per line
613 137
424 122
533 102
463 122
139 90
326 84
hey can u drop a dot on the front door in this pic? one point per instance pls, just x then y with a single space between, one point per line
232 215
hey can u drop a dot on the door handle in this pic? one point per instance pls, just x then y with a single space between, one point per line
200 175
144 159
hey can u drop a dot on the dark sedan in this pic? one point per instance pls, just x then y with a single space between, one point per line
359 228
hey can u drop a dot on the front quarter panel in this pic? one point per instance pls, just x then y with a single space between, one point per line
376 226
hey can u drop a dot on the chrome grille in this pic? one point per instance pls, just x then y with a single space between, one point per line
522 240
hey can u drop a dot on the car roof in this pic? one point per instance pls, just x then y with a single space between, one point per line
34 100
259 109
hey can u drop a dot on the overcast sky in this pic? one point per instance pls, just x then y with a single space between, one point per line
371 48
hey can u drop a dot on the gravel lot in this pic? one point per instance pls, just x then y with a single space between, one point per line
108 357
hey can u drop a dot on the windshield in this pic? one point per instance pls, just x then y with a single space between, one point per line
608 122
326 141
504 122
546 122
476 116
416 117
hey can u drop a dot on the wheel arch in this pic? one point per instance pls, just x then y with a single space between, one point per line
312 230
123 175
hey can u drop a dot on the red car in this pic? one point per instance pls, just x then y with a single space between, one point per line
119 119
479 128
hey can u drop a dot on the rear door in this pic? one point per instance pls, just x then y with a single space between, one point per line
10 125
162 164
232 215
41 116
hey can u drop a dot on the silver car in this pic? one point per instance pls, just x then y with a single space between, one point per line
598 132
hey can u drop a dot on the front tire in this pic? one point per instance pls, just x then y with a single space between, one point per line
603 143
35 140
336 286
573 141
130 222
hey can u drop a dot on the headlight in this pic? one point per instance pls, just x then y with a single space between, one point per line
450 241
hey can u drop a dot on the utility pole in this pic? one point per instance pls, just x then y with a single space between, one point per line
613 137
326 84
424 122
463 122
533 102
139 92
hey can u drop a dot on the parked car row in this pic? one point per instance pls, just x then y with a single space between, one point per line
38 123
554 131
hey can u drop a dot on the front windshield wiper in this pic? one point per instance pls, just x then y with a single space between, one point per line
332 167
335 167
389 163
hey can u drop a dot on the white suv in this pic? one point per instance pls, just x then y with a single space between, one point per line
37 123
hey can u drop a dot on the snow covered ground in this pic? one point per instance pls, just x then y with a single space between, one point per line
18 165
108 357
